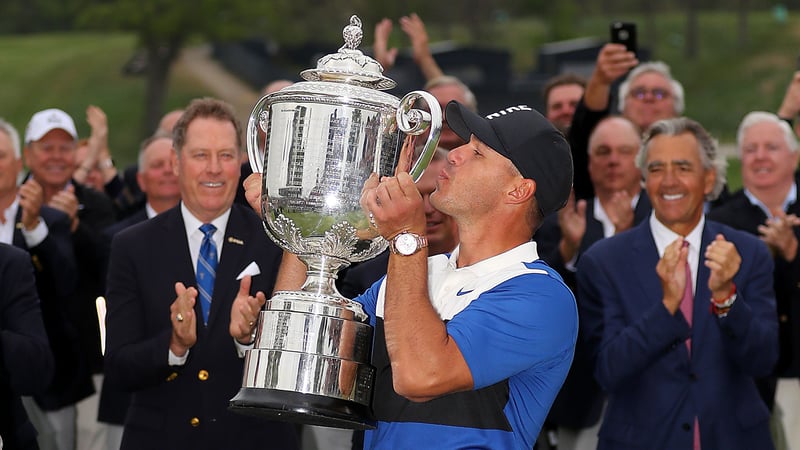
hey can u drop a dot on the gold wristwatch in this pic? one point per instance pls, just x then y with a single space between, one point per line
407 243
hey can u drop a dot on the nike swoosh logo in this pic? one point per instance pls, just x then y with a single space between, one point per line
463 292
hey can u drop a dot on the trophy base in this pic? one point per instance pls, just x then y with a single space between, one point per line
302 408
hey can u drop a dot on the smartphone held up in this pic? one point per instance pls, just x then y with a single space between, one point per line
624 33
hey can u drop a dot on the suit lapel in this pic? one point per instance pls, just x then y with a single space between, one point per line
702 297
233 249
176 248
594 228
18 240
644 257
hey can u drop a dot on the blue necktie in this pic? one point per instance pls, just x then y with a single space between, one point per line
207 269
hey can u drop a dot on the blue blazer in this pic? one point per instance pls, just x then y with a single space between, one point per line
184 406
26 363
655 389
56 270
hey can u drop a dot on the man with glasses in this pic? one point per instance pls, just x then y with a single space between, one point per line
50 147
647 94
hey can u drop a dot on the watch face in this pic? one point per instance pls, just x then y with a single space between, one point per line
406 244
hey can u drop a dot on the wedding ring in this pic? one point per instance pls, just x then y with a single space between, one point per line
179 317
251 323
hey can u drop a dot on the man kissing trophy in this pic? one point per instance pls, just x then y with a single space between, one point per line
322 138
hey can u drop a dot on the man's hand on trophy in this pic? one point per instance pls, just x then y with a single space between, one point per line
395 205
407 154
182 316
252 192
244 312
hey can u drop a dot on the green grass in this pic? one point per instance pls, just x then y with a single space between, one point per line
71 71
734 174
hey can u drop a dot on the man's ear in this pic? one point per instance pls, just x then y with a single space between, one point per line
174 160
522 190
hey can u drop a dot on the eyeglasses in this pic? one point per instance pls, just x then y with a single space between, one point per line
656 93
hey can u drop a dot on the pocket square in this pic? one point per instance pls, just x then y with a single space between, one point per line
252 269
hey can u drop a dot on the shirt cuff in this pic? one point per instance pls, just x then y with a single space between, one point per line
571 265
241 348
35 236
175 360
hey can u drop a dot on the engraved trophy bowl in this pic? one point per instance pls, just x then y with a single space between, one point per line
321 140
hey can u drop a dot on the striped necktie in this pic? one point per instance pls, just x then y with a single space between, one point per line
207 269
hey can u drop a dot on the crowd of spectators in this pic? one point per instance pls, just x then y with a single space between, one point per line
663 354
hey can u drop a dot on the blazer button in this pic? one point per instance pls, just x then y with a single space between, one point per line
172 376
202 375
783 318
685 426
195 422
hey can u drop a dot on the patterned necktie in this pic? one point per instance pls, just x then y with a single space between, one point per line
687 302
207 269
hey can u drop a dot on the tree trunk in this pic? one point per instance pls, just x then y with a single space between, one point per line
691 30
160 56
742 23
650 34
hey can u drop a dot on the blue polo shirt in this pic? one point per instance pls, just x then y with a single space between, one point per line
515 322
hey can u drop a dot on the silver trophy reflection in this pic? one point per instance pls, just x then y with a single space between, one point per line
322 138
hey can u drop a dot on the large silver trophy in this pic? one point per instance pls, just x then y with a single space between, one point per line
322 138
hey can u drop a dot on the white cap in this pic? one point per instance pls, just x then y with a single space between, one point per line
45 121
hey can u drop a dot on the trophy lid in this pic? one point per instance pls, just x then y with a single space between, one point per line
349 65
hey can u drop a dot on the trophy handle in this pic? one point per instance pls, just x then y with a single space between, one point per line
259 119
416 121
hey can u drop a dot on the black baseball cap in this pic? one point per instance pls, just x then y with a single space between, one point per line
520 133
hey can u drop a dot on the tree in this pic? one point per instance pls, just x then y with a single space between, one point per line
163 27
691 30
741 13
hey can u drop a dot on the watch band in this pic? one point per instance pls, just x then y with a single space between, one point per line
420 242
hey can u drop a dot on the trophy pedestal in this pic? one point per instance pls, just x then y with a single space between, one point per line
302 408
309 363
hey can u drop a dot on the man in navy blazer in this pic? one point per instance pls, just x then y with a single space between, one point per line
618 204
183 370
680 377
26 363
159 184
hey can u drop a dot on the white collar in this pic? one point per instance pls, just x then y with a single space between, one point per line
193 224
524 252
663 236
600 215
150 211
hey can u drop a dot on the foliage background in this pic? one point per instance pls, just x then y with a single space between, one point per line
70 53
